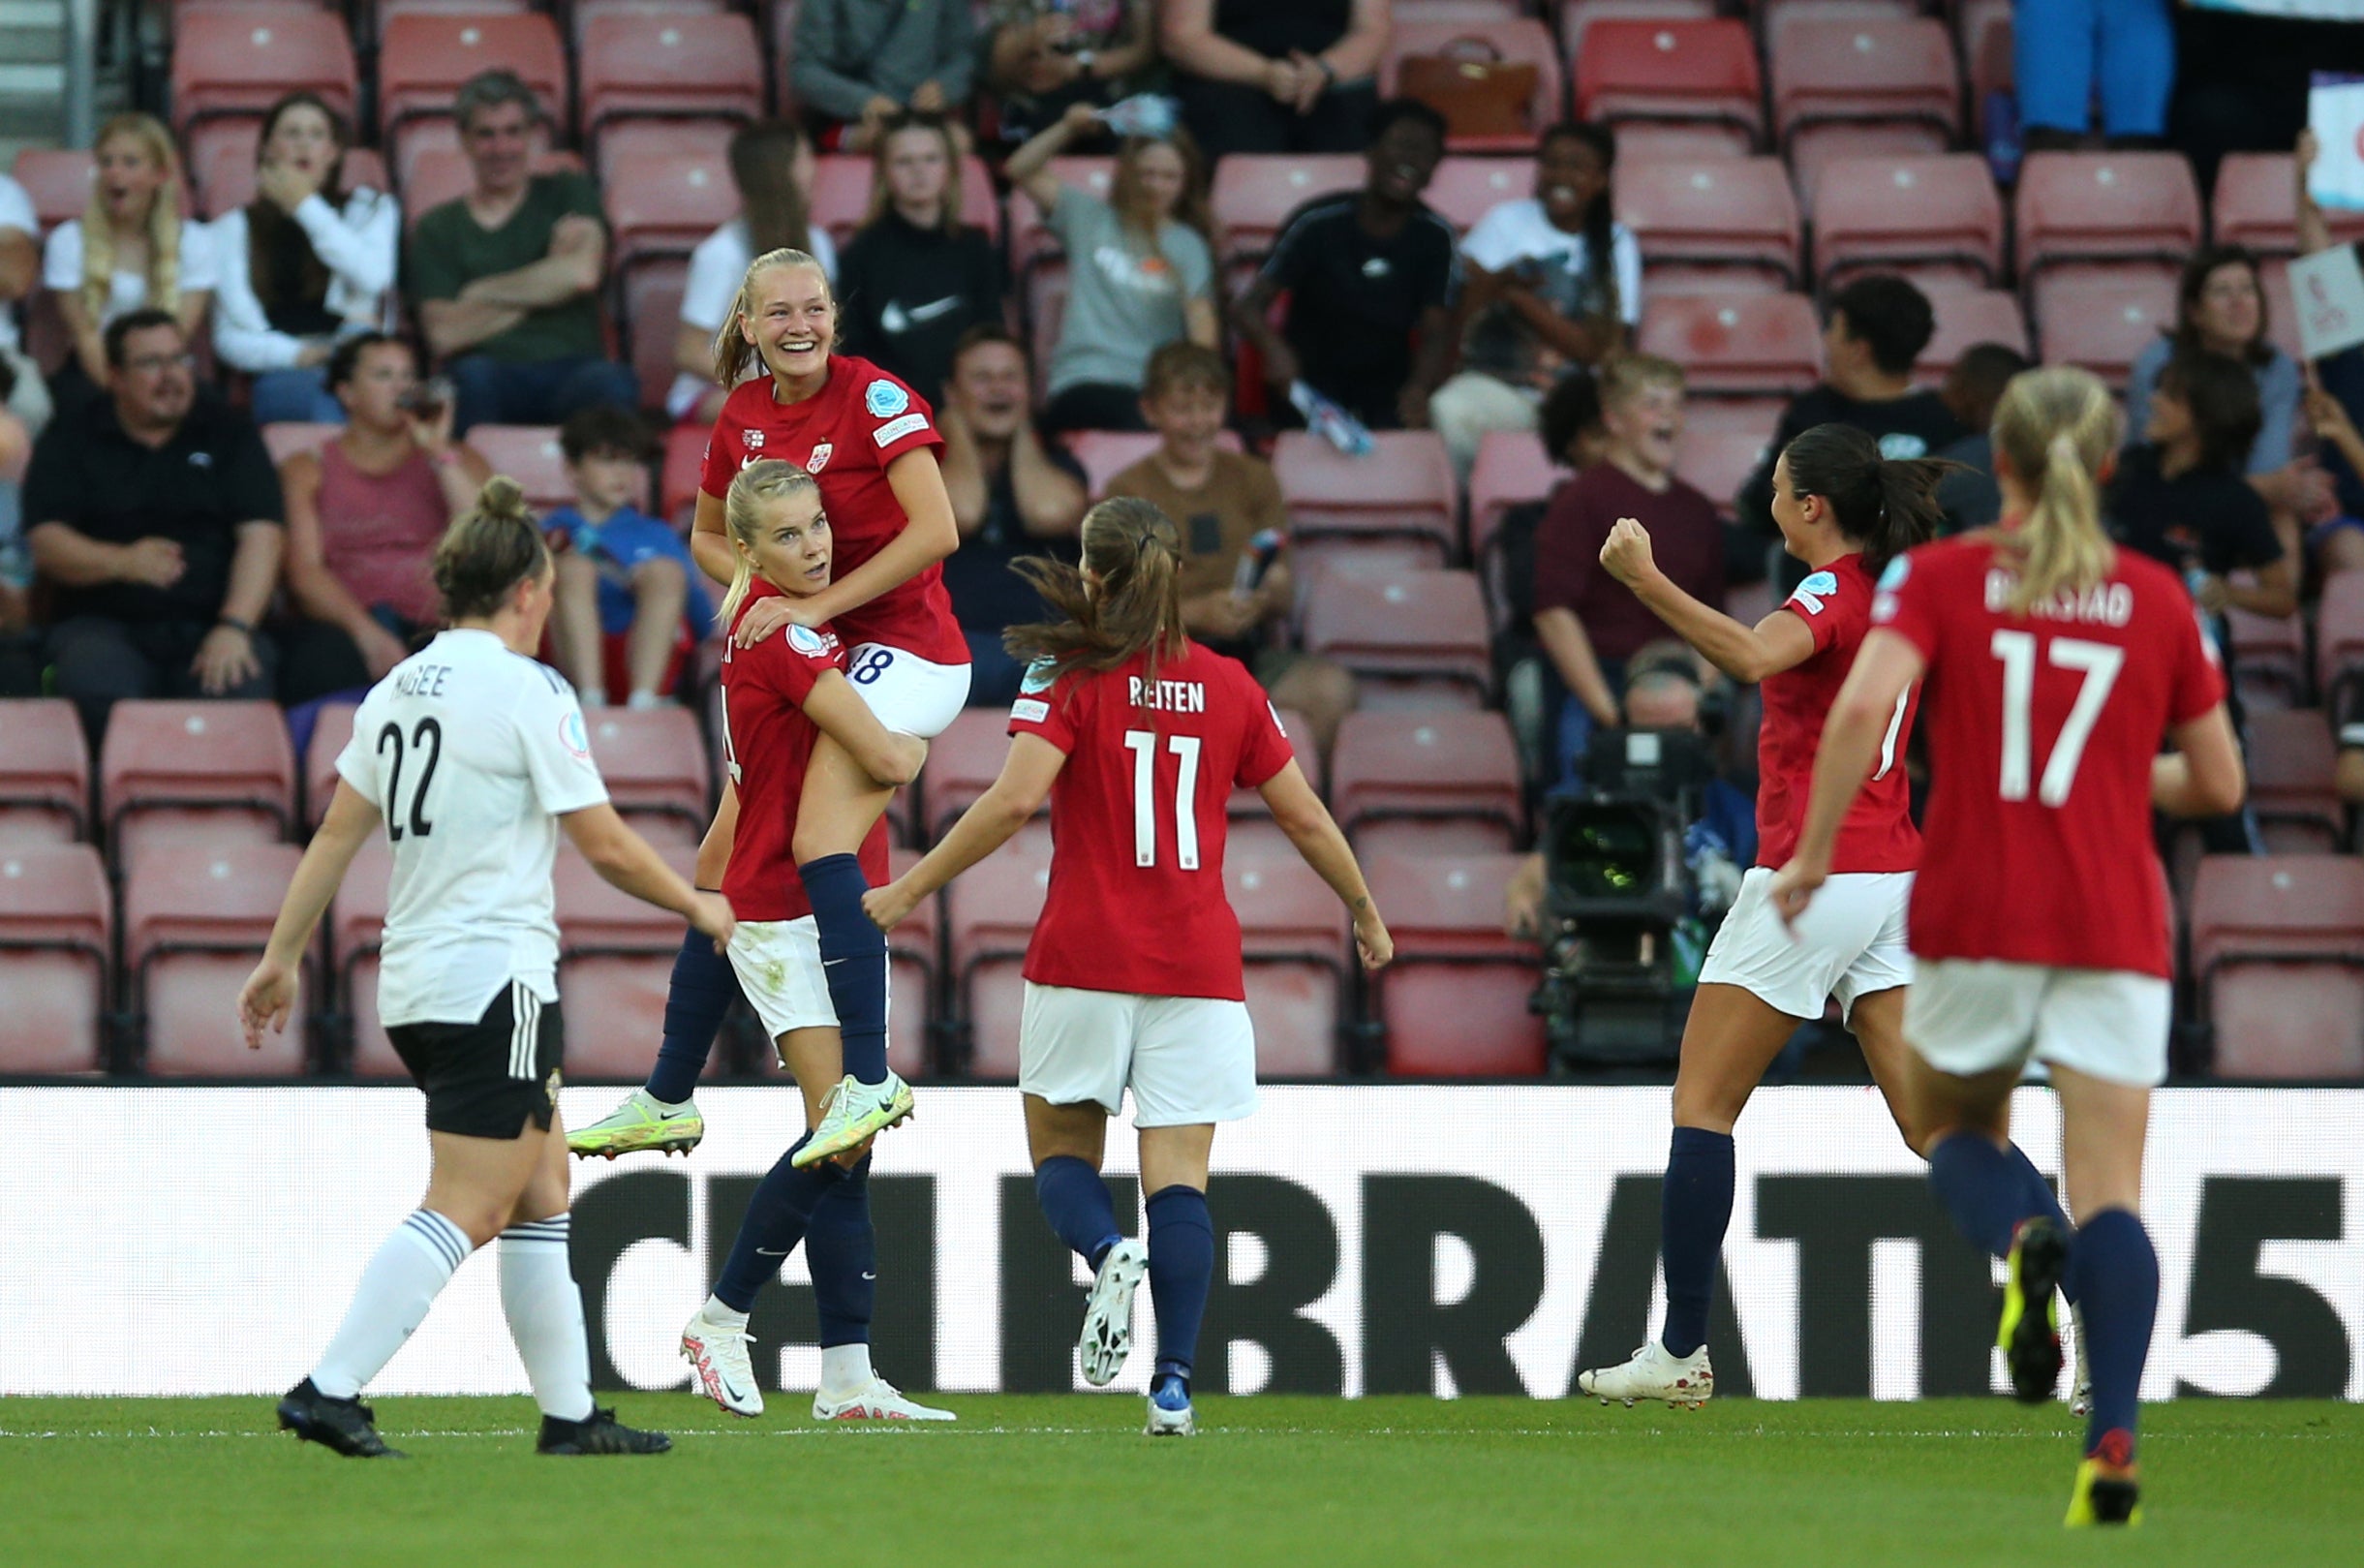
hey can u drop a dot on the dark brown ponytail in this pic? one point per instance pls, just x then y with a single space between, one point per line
1135 552
488 550
1887 504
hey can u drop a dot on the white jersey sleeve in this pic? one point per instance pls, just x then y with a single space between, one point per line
356 764
556 745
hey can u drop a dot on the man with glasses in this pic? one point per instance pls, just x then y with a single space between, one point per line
155 529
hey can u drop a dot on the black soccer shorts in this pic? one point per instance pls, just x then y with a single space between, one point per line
484 1079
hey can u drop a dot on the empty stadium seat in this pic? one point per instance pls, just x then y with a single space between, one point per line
331 729
1247 807
2292 760
356 924
1254 194
684 65
654 763
1427 782
2102 317
1293 936
57 181
242 59
222 165
700 140
1512 39
1416 635
1455 1002
914 959
664 203
1578 16
2085 206
1717 212
2339 638
195 918
1865 68
1511 469
423 59
990 913
1736 343
1643 70
1716 458
963 763
220 771
2277 953
2256 203
840 198
531 455
1965 318
651 292
684 464
382 12
2268 658
615 966
45 772
57 925
1908 212
1400 494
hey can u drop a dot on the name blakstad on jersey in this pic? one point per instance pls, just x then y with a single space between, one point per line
1169 697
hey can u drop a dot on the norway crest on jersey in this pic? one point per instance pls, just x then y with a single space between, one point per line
819 459
752 440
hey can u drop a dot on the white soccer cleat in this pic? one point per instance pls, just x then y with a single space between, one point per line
717 1354
883 1401
1681 1382
854 1114
2080 1392
1107 1314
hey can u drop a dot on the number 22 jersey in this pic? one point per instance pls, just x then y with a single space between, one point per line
1138 819
2036 847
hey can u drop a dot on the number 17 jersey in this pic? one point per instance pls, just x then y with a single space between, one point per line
1138 819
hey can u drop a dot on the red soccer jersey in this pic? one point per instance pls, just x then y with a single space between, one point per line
2042 732
766 742
1138 819
844 435
1878 835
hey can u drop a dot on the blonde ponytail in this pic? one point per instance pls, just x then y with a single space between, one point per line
98 284
733 356
2056 428
753 489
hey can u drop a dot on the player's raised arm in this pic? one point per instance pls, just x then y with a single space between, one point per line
269 997
1745 652
1028 774
1309 826
1884 667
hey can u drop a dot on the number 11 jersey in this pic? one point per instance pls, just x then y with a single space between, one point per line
1138 819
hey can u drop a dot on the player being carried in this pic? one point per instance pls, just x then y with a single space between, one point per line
2055 665
1844 512
779 697
869 441
1133 980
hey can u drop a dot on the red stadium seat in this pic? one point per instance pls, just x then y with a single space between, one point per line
1427 782
1401 492
2277 952
990 913
423 59
1864 68
1253 195
1816 147
2339 638
654 762
56 927
2089 206
1466 189
242 59
652 313
2256 203
331 729
382 12
701 141
1247 809
57 179
531 455
1717 458
1455 1002
683 65
2292 760
1736 343
1717 213
1575 16
221 771
664 204
2268 659
1293 934
1030 237
963 763
2102 317
1515 41
1671 71
1511 469
222 165
195 917
356 924
1893 212
615 966
581 12
916 957
45 772
840 198
1965 318
1416 635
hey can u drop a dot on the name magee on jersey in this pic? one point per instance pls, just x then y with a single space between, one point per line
1169 697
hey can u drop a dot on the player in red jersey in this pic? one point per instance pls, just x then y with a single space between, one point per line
779 697
2054 665
871 443
1138 736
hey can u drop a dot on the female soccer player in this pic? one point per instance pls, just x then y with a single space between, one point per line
778 697
1138 736
1845 512
2054 664
871 443
475 757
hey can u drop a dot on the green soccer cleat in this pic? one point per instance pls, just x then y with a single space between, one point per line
639 1122
854 1114
2106 1495
2029 1333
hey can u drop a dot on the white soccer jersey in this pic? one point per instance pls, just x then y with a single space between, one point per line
470 753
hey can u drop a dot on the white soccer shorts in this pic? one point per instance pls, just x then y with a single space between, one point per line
779 965
910 695
1850 942
1189 1060
1973 1016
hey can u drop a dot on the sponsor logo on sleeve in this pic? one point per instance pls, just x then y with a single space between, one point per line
884 399
819 459
1030 710
910 424
806 641
1818 587
1902 447
1040 675
572 735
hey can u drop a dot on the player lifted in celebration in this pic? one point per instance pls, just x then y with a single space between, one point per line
474 756
779 696
1133 979
871 443
1845 512
2055 665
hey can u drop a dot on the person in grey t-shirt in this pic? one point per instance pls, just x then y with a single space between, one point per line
1140 269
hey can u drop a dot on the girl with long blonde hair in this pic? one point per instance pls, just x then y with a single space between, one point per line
133 247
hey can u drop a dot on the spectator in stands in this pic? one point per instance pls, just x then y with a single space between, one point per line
130 249
1141 268
1875 330
620 572
1275 76
301 266
1044 55
365 512
1366 274
1553 280
506 280
2220 308
2067 52
156 526
2349 777
27 395
1012 495
916 278
772 166
19 647
856 62
2334 404
2178 496
1588 624
1235 587
1973 388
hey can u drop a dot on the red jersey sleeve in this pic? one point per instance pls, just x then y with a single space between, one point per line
1832 605
899 419
2199 680
721 464
801 657
1265 749
1905 602
1043 708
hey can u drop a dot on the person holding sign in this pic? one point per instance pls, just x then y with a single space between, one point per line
2334 400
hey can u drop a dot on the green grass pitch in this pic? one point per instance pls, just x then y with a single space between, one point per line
1045 1480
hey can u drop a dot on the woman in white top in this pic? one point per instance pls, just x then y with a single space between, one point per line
470 758
772 166
302 264
131 248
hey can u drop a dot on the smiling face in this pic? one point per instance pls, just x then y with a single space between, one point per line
791 319
304 138
1798 517
1187 417
498 140
2229 310
1569 173
1645 424
918 173
1403 160
129 177
989 388
791 546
